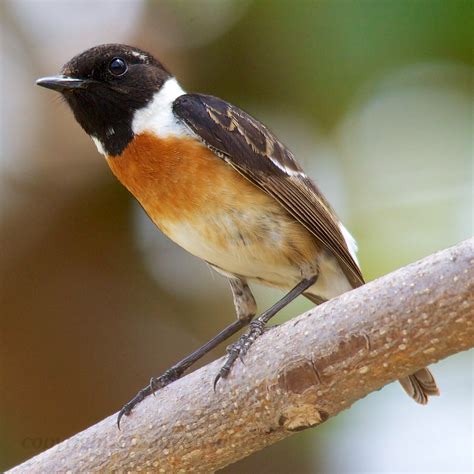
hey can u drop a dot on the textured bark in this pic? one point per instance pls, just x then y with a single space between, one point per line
295 376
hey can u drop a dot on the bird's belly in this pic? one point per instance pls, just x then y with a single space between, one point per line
267 248
246 242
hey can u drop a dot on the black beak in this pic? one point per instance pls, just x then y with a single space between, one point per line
62 83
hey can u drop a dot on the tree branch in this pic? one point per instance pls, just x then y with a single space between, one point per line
295 376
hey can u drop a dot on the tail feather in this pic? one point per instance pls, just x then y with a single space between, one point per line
317 300
420 386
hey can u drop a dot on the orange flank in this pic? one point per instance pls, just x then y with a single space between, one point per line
208 208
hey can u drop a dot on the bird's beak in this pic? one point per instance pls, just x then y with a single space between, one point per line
61 83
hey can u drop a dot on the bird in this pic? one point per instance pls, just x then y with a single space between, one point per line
220 184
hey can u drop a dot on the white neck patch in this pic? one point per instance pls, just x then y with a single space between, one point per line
157 117
98 144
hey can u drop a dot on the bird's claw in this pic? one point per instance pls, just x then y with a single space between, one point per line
217 378
128 407
156 383
239 349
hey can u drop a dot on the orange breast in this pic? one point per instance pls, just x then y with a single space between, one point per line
176 178
208 208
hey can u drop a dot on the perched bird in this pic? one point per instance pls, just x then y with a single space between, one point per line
217 182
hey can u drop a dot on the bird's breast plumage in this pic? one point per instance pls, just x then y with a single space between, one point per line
209 209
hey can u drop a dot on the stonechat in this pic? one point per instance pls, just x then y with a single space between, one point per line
218 183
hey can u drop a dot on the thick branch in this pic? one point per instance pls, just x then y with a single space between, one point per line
295 376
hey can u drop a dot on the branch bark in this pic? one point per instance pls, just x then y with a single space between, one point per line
295 376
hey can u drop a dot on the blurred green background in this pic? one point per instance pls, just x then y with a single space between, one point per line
374 98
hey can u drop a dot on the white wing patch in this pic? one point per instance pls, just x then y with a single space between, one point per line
350 242
285 169
157 117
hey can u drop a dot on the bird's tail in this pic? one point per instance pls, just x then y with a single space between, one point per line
317 300
420 386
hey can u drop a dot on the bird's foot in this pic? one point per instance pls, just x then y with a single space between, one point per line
239 348
155 384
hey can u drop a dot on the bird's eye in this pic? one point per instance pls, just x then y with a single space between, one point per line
118 67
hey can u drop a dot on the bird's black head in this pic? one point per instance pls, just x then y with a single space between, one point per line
104 86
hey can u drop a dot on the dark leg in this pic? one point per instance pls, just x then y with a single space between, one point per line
240 348
245 308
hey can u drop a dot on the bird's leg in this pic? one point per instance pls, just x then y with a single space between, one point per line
240 348
245 308
244 302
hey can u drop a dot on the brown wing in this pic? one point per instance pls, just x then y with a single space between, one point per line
248 146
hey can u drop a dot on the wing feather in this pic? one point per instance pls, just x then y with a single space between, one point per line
250 147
